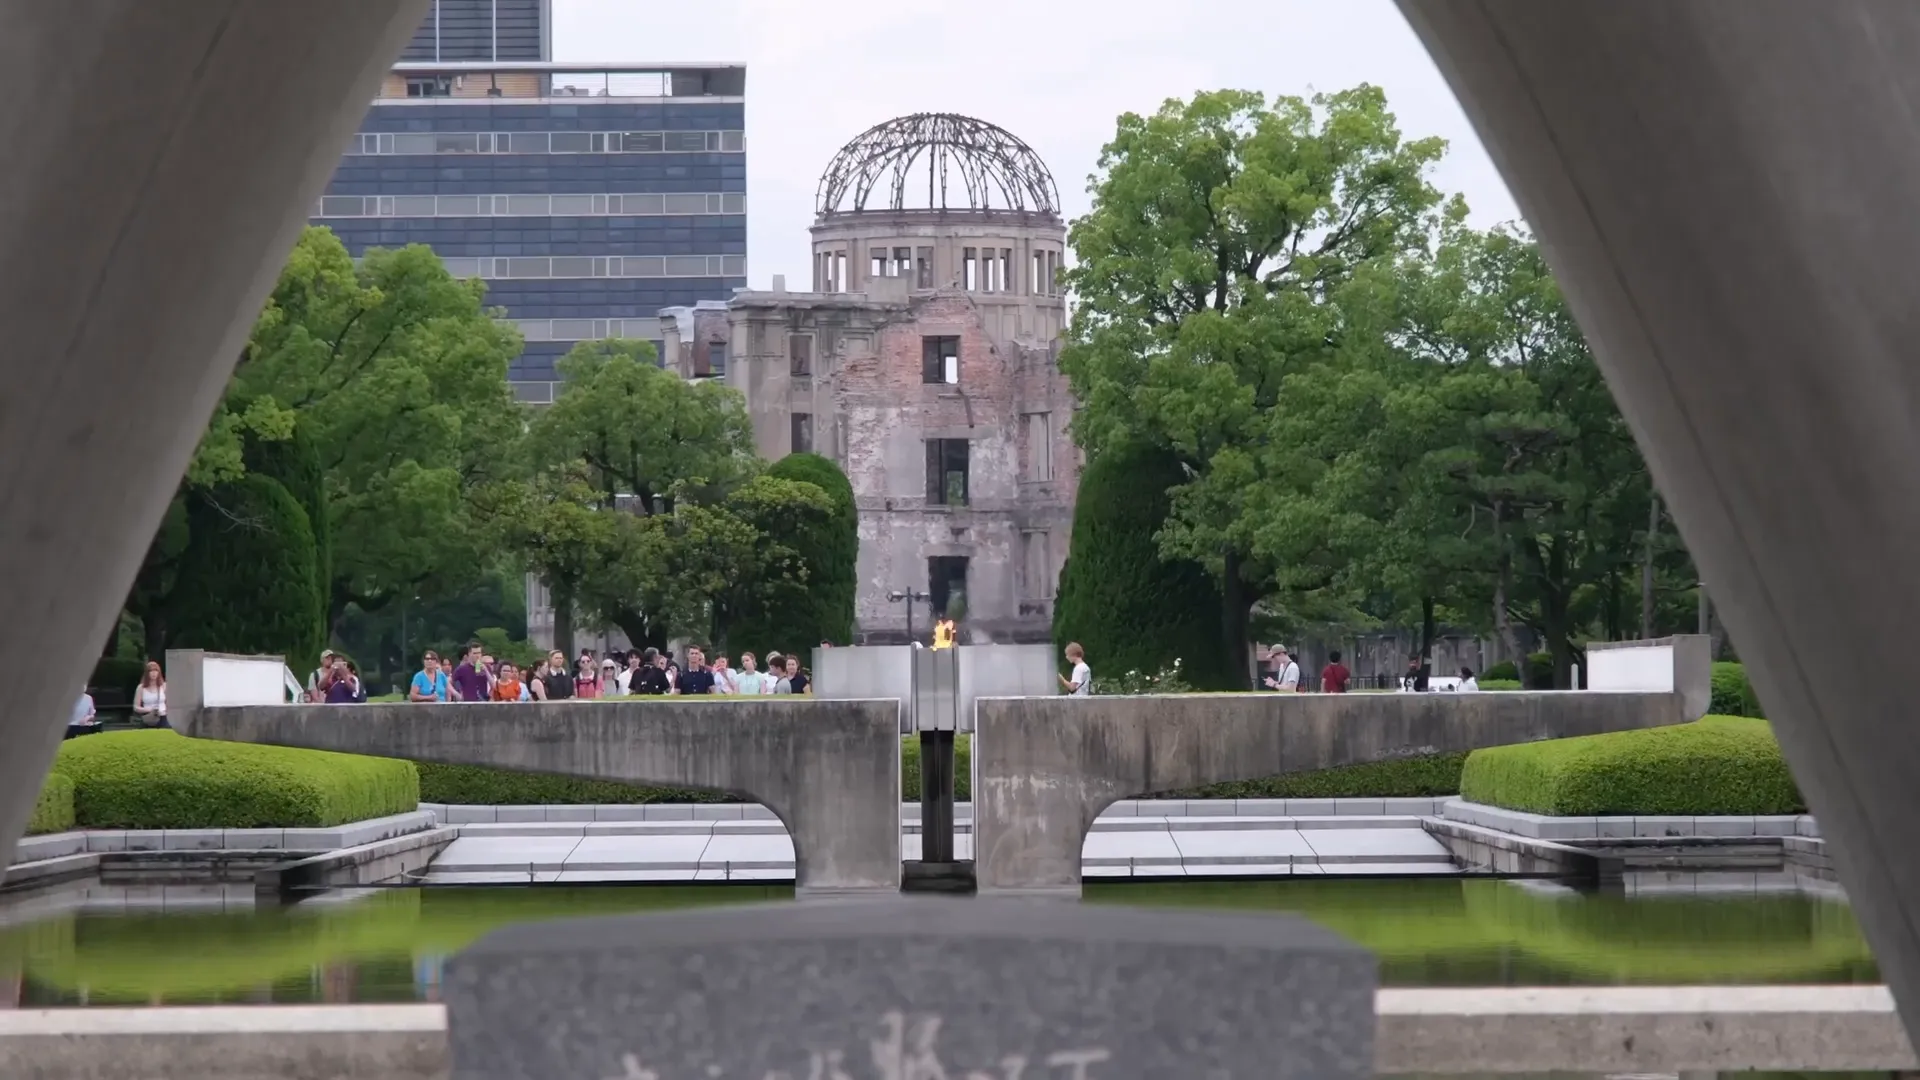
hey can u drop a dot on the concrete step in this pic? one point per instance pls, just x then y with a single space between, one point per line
757 851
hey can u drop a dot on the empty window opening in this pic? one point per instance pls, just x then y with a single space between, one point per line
940 360
430 86
717 358
839 272
970 269
947 472
877 263
902 262
947 584
1039 446
1037 275
923 268
799 354
802 433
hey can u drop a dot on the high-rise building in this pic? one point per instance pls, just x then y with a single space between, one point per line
588 196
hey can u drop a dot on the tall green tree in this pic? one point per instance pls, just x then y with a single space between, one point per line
247 577
1223 235
393 373
811 599
1132 608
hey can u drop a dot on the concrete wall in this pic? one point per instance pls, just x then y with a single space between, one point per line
1044 768
1498 1031
830 770
163 157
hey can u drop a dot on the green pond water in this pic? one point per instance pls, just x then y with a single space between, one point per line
389 944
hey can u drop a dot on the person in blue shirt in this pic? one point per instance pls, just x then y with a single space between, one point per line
430 682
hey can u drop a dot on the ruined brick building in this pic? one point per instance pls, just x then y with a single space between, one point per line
922 359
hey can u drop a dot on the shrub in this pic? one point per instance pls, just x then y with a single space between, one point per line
1539 671
1500 684
295 462
1434 774
53 810
1718 765
813 602
1133 610
1732 693
504 647
162 780
1504 671
479 786
116 673
962 768
246 582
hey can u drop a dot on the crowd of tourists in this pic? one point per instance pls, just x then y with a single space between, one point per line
478 676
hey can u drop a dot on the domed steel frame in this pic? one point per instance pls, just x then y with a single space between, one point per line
997 170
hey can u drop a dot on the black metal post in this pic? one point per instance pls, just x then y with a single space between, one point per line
936 796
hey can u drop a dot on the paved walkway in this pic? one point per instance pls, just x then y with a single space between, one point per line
1120 846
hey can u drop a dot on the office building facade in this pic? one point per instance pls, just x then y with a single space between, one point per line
587 196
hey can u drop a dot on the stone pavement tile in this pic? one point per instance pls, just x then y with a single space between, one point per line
1614 828
1419 807
1132 824
254 839
749 852
1386 845
716 811
509 814
568 877
1373 807
1356 821
570 813
669 812
506 854
1775 825
1130 848
492 877
1311 808
145 840
756 812
1240 846
525 828
1663 826
1724 825
461 815
107 840
619 812
637 853
1219 824
1261 807
1266 869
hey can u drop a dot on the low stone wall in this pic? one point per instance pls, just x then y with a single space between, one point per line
1635 1030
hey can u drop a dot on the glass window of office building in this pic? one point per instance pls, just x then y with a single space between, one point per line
587 196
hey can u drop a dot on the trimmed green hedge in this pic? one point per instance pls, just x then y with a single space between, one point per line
1500 684
1434 774
162 780
474 785
53 811
480 786
1438 774
1732 693
1718 765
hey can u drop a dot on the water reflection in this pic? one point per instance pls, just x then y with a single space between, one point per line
98 945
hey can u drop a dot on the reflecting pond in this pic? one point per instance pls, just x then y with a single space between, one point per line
95 944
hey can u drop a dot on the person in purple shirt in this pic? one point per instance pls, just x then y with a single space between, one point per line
470 679
344 687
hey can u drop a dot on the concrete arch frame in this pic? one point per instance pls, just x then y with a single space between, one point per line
829 770
1726 191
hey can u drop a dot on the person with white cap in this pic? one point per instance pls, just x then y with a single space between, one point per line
1286 673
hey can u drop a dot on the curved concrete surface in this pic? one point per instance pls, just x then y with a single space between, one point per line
1044 768
1631 1030
161 160
830 770
1728 193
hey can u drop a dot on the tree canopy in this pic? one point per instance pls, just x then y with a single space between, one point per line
1383 417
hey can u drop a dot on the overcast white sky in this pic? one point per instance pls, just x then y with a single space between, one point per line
1054 72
